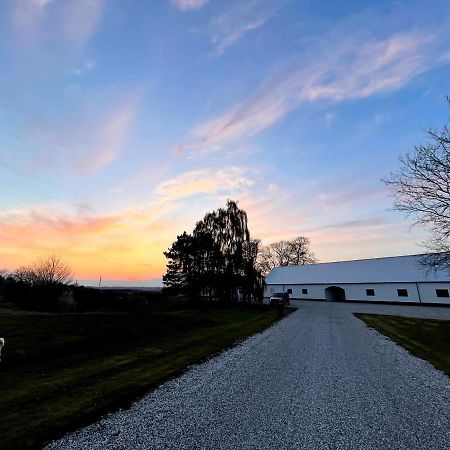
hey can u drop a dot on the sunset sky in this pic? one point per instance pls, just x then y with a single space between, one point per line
122 123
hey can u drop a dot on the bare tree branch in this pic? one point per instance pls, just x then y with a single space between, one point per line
49 270
295 252
421 189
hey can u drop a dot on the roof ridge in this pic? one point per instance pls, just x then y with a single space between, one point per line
354 260
389 269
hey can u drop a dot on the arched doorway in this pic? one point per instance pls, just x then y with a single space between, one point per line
335 294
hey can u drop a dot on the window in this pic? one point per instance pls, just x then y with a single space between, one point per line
370 292
289 291
402 292
442 293
304 291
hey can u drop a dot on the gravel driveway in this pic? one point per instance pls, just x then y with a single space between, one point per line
319 379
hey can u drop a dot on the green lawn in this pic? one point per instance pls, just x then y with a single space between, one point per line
427 338
59 372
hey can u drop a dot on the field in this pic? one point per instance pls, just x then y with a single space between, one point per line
61 371
427 338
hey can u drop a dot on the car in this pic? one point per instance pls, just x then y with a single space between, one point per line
279 299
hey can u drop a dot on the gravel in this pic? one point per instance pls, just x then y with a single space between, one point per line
319 379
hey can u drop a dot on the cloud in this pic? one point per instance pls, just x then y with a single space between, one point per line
107 143
355 224
28 15
115 245
73 20
81 19
350 192
91 135
186 5
128 242
329 118
333 236
205 181
239 19
348 70
87 65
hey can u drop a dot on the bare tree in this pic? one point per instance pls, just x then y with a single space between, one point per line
421 188
294 252
282 252
266 259
45 271
300 251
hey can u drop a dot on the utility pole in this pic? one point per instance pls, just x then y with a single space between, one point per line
100 282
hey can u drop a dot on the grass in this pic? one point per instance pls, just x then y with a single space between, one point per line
62 371
428 339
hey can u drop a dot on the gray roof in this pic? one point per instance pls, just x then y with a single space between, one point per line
392 269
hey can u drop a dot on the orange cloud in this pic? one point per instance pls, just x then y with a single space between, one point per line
129 243
126 244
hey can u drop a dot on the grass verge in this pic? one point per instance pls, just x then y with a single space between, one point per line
427 338
62 371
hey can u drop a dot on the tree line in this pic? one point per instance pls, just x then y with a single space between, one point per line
221 261
47 285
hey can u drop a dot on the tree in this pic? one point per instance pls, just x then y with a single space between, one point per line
294 252
191 260
45 285
218 259
47 271
180 262
300 251
421 188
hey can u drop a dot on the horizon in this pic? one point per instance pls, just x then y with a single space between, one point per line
123 125
158 283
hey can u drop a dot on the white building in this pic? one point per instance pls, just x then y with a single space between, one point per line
391 279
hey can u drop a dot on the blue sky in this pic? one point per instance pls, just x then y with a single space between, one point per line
122 123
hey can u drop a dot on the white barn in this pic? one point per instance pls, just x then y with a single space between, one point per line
390 279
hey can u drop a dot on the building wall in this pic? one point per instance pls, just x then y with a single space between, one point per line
428 292
424 292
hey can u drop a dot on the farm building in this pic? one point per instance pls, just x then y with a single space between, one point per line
390 279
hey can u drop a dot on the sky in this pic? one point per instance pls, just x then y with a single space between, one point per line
123 123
